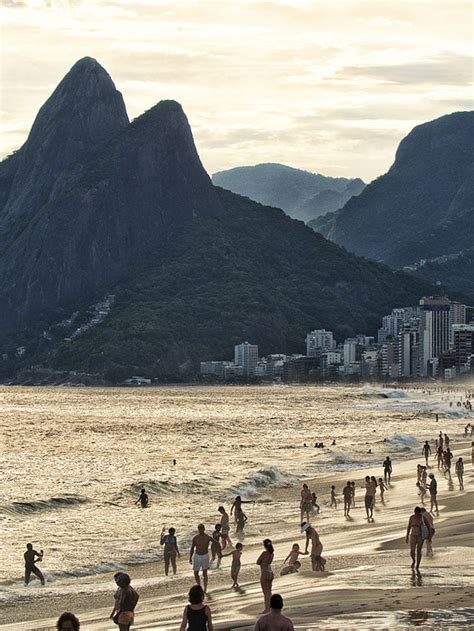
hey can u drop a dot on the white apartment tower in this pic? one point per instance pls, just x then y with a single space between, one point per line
319 340
246 355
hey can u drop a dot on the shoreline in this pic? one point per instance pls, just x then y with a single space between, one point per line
369 550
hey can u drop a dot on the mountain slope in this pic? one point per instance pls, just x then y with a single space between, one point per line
108 211
251 273
301 194
84 111
423 208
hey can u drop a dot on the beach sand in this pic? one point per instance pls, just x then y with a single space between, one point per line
368 583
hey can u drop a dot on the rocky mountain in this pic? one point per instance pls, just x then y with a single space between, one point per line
93 213
301 194
422 209
127 258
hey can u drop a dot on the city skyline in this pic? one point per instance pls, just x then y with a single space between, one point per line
330 86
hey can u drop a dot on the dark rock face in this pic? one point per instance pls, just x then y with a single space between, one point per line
102 213
301 194
423 208
84 111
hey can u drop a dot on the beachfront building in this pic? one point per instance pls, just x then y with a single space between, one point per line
319 340
246 355
408 347
457 315
463 343
434 332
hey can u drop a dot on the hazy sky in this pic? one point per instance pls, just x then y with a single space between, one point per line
327 85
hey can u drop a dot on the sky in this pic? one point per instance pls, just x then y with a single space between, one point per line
330 86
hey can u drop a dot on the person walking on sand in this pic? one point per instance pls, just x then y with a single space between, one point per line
314 502
387 470
459 468
170 551
347 495
143 499
433 489
382 488
196 616
429 541
31 558
446 441
318 563
417 530
333 497
67 621
265 561
426 451
448 459
369 499
225 528
126 599
199 555
353 485
274 620
306 503
236 564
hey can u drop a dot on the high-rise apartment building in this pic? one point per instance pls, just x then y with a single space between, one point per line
457 315
434 332
463 346
246 355
319 340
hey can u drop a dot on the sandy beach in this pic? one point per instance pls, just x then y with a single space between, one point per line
368 583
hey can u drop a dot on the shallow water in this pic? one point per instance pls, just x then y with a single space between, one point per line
74 461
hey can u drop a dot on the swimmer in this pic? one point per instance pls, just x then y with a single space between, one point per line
143 499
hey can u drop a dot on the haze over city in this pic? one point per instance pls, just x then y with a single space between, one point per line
327 86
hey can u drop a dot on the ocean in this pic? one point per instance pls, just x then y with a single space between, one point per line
74 460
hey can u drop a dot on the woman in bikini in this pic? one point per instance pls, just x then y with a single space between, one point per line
416 524
266 572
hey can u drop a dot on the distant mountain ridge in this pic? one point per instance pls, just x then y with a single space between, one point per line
301 194
422 208
128 260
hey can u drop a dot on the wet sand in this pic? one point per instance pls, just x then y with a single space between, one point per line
368 584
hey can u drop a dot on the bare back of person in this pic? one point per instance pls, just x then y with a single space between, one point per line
274 621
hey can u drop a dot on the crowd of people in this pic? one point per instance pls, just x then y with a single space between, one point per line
207 549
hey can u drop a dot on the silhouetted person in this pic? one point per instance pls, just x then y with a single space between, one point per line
387 470
143 499
31 557
68 622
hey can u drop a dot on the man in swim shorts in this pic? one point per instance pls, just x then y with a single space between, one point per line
199 554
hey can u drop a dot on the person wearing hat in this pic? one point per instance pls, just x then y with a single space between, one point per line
318 563
433 488
126 599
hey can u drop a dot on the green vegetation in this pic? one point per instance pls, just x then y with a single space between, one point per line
253 274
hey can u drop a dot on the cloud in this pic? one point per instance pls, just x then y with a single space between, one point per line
447 68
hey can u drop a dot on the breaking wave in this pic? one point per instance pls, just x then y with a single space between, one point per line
262 479
42 506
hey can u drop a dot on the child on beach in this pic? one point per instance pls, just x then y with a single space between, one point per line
421 491
241 520
382 488
353 485
333 497
236 564
291 563
216 546
314 502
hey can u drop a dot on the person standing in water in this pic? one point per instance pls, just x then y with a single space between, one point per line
265 561
216 552
236 507
318 563
196 616
225 528
199 555
426 451
418 526
433 489
459 468
31 558
142 499
306 503
387 470
171 549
